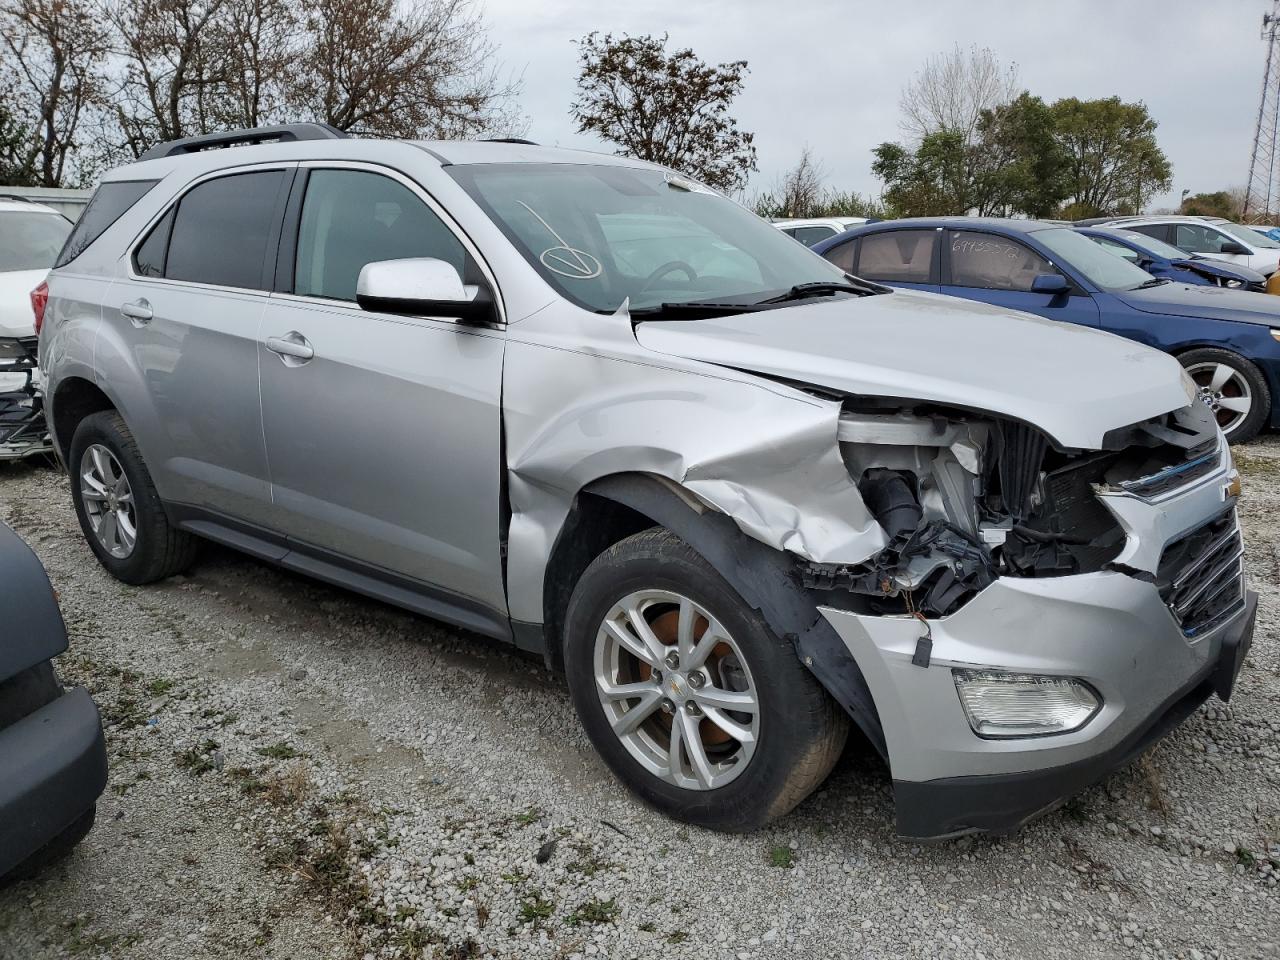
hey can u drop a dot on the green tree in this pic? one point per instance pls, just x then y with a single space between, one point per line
671 109
931 181
1221 203
1016 164
1113 162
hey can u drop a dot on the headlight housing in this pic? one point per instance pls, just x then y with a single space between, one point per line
1001 705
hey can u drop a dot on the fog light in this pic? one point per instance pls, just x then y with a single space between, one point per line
1021 705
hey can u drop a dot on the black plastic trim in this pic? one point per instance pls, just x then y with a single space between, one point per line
343 571
284 133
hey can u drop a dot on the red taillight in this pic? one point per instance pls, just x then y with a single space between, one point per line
39 300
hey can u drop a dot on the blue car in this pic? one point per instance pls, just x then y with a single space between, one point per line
1162 259
1228 340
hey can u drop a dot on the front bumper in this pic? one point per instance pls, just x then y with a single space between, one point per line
1112 629
55 767
948 781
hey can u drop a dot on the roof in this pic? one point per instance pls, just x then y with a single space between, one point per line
997 223
370 149
8 204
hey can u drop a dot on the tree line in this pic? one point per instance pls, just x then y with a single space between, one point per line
87 84
977 143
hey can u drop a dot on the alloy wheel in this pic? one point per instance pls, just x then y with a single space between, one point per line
108 501
1225 391
676 690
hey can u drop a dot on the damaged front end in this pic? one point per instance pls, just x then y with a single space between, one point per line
965 498
23 431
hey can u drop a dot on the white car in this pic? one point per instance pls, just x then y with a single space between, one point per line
812 230
30 237
1210 237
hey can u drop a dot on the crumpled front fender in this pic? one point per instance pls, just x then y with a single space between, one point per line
764 454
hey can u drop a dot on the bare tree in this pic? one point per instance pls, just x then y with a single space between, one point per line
671 109
800 191
951 91
173 70
52 54
256 40
418 69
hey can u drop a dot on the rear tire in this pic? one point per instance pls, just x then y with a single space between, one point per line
799 731
1225 380
104 449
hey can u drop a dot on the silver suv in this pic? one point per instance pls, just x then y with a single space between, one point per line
589 406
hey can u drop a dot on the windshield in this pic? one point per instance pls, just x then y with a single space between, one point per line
604 234
31 240
1158 248
1251 237
1100 267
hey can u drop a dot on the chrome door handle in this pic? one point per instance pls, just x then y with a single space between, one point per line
292 348
139 312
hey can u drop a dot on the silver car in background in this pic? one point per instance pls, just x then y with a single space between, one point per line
589 406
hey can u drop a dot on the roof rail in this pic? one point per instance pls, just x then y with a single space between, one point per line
285 133
527 143
15 196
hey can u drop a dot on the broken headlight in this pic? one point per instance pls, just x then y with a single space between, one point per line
1024 705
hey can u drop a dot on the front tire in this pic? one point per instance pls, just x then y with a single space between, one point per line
692 701
119 509
1233 388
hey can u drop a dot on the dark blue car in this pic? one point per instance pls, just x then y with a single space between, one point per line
1162 259
1228 340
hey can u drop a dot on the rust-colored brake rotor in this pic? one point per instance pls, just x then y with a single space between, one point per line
666 628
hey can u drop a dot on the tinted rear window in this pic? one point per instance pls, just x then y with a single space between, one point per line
31 241
108 204
221 229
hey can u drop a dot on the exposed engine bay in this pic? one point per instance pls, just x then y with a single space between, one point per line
964 498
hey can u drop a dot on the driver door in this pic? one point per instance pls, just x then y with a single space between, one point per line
383 431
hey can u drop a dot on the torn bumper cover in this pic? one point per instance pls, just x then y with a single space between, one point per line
1114 632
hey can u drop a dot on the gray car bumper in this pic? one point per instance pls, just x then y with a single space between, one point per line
1110 629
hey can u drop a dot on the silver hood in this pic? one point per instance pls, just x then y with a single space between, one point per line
1071 382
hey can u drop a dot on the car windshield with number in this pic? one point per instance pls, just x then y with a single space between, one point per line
603 235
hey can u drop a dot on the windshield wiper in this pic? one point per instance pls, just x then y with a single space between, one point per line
820 288
1153 282
692 310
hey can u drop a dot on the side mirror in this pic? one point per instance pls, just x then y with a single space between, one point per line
422 287
1235 249
1050 283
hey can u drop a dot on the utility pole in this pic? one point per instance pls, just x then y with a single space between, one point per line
1264 180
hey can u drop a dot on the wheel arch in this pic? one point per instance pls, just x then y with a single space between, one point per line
611 508
74 399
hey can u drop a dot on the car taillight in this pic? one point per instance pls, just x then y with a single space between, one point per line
39 300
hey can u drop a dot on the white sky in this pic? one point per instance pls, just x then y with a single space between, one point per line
829 73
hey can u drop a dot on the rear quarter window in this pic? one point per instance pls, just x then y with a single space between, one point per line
108 204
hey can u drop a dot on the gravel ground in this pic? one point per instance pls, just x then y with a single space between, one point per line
299 772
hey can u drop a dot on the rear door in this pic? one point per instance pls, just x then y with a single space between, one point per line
899 258
1000 270
188 308
384 438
